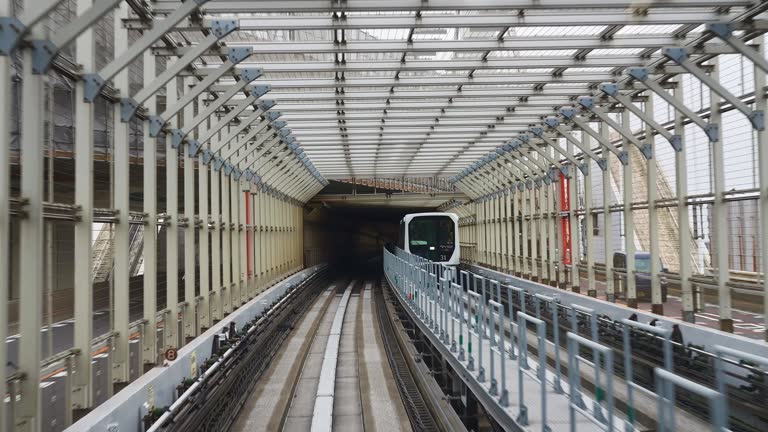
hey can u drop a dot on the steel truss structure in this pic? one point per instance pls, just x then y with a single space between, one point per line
508 98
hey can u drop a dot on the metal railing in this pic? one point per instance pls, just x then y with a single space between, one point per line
445 299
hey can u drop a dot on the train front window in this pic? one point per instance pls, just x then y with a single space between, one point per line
432 237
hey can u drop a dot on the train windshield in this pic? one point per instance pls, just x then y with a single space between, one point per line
432 237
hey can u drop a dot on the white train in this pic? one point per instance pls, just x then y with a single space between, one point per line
434 236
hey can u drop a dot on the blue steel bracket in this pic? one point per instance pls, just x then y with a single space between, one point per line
207 156
624 157
156 124
265 104
525 138
647 151
757 118
677 142
193 147
223 27
553 174
228 168
529 184
293 146
568 112
284 132
499 150
177 138
611 89
279 124
677 54
248 173
537 130
256 179
586 101
128 108
249 74
602 163
584 168
236 174
93 85
723 30
566 170
547 179
515 144
260 90
638 73
273 115
218 163
11 32
507 147
552 122
43 54
713 132
238 54
521 186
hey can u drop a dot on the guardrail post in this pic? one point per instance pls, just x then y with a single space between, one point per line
574 377
555 335
522 367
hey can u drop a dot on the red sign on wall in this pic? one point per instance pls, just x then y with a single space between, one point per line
565 221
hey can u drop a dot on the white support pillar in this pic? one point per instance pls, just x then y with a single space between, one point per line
188 316
720 209
226 253
589 226
629 225
573 198
657 305
204 307
217 301
31 230
761 104
120 355
610 293
170 320
82 392
555 260
681 191
149 333
5 190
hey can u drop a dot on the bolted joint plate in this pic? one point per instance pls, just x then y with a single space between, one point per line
603 164
249 74
238 54
279 124
713 132
547 179
586 101
248 174
529 184
177 138
236 174
565 170
677 54
11 32
128 108
723 30
43 54
259 90
568 112
677 142
524 138
218 163
273 115
266 104
499 150
93 84
624 157
228 168
757 118
552 122
207 156
647 151
223 27
284 132
611 89
156 124
638 73
507 147
537 130
584 167
193 147
256 179
552 174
